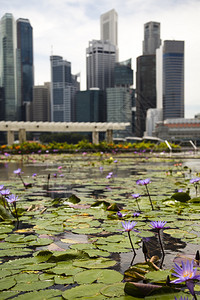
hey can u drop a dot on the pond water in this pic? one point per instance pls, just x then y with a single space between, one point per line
85 224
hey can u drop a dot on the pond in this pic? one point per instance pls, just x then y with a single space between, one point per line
65 239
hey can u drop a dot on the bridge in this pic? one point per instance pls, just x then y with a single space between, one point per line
23 127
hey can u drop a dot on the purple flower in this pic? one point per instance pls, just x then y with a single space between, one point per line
60 167
186 274
5 192
136 214
1 187
128 226
34 175
135 196
110 175
143 181
115 161
120 215
194 180
181 298
157 224
12 198
55 175
101 169
180 190
18 171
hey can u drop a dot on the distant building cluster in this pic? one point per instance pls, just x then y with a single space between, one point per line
158 95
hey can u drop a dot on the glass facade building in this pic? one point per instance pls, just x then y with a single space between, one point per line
63 89
145 90
123 74
152 39
25 62
90 106
100 62
173 79
8 66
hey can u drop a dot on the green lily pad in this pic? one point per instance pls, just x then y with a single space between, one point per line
87 290
99 276
32 286
7 283
114 290
94 263
157 276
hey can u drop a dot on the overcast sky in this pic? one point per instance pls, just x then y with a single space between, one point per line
64 27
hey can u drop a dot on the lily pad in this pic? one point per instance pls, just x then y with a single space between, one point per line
99 276
94 263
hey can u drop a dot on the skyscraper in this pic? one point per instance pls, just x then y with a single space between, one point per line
173 79
63 88
25 62
8 67
100 60
145 89
109 28
152 39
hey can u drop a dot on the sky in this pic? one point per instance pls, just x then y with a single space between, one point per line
65 27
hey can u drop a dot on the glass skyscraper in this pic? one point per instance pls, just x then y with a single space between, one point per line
100 60
152 39
25 62
173 79
8 66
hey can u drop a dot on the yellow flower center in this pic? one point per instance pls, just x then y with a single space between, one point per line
186 274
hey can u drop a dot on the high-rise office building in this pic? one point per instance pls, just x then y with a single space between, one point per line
8 67
109 28
100 60
41 103
90 106
63 88
145 90
152 39
123 74
25 64
146 75
173 79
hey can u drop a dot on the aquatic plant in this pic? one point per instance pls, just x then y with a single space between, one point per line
128 227
186 274
136 196
145 182
158 225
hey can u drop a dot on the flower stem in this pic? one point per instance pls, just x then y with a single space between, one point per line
162 248
131 242
149 197
137 204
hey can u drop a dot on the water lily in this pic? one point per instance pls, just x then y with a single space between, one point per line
5 192
195 181
120 215
136 214
186 274
159 225
18 171
1 187
145 182
181 298
12 198
128 227
136 196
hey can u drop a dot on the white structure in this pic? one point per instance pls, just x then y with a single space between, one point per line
152 39
95 128
100 59
153 116
159 77
109 28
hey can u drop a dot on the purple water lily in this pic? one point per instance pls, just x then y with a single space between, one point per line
157 224
181 298
18 171
136 214
128 227
195 181
145 182
110 175
1 187
5 192
136 196
186 274
12 198
120 215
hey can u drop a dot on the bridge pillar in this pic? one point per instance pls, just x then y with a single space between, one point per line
109 135
95 137
10 137
22 135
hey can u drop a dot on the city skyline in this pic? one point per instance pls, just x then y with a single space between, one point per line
65 28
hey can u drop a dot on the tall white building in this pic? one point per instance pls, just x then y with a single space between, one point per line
152 39
100 60
109 28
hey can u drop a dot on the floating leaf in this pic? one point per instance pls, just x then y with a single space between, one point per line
7 283
95 263
99 276
32 286
87 290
